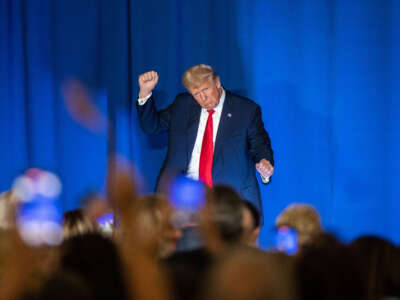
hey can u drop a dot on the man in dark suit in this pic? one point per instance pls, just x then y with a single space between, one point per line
213 135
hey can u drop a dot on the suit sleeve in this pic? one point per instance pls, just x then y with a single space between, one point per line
151 120
258 139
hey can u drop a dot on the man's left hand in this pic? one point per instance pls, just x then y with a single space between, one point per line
265 168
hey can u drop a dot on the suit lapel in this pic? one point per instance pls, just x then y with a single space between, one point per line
225 125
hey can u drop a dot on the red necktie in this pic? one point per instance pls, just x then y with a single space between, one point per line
206 155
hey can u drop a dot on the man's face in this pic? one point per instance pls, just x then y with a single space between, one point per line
208 93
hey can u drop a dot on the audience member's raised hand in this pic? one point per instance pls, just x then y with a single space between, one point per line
144 275
18 262
82 107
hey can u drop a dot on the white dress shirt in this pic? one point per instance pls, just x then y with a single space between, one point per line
194 164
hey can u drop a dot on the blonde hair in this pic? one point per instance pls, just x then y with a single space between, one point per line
152 222
150 210
302 217
77 223
197 75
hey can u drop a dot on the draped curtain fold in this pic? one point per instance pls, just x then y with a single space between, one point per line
326 74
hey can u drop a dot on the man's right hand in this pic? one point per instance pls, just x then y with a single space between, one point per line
147 82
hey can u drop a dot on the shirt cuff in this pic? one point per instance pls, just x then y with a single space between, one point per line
264 179
142 101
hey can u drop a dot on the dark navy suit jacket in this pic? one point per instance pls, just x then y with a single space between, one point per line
241 140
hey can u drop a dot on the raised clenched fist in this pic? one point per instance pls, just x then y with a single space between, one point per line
147 82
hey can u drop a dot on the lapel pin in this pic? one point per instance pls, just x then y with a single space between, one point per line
229 115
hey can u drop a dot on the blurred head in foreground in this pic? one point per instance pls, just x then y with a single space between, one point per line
251 274
60 286
96 259
304 218
225 213
379 261
328 270
154 223
77 223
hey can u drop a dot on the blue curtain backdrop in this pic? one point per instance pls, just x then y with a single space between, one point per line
326 74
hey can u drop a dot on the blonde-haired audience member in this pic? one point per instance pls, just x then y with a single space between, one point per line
154 224
304 218
77 223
